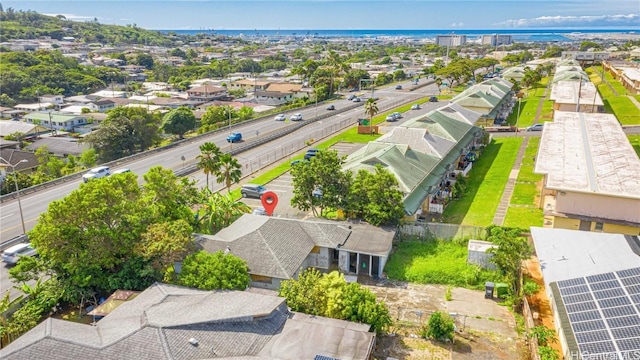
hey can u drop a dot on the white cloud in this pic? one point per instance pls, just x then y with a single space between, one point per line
631 20
460 24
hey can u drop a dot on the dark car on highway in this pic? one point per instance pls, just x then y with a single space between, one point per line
331 107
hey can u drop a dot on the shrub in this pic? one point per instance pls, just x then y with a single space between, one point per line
440 327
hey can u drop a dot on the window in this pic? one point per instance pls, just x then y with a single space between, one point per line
599 226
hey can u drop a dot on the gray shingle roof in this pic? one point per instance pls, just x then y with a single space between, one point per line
159 323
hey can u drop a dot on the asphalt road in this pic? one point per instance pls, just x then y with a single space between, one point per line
252 160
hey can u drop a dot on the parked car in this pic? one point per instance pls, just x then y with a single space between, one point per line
121 171
280 117
356 99
391 118
296 117
298 161
11 255
398 87
96 173
317 192
252 190
433 99
351 97
234 137
259 211
311 153
535 127
331 107
415 107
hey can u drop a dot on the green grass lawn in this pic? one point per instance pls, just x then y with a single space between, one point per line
635 142
436 262
529 105
619 105
523 210
524 217
486 183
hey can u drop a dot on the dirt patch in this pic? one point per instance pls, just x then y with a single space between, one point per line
539 302
484 328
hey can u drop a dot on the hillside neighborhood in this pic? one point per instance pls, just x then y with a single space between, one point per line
309 197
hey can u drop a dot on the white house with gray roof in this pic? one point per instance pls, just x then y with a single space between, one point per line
278 249
172 322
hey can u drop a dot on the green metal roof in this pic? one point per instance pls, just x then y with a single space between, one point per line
57 117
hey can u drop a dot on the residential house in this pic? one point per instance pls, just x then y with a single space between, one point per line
172 322
55 120
11 157
57 100
109 93
628 73
580 96
570 73
585 55
278 249
515 73
273 98
294 90
206 93
41 106
593 284
61 146
425 154
10 127
250 84
491 98
591 174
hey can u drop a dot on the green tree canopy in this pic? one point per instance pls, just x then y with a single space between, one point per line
126 131
376 197
179 121
329 295
208 271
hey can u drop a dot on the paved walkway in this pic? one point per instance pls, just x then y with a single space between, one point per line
634 101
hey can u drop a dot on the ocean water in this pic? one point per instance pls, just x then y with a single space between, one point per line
518 35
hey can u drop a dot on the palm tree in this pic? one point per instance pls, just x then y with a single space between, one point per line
209 159
219 211
229 171
337 65
371 109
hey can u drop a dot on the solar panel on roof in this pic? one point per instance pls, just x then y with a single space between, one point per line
571 282
584 316
626 332
572 299
623 321
585 306
632 280
629 345
618 311
636 299
605 285
613 302
322 357
597 347
635 289
574 290
606 294
600 277
588 326
593 336
629 272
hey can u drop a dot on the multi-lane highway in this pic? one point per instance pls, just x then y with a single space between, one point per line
36 203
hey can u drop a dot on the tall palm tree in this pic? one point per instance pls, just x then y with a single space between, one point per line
209 159
371 109
338 66
229 172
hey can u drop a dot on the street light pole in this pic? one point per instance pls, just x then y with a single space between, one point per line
15 180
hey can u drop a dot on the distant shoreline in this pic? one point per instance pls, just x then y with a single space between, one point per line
517 34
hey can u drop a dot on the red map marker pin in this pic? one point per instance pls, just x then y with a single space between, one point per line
269 201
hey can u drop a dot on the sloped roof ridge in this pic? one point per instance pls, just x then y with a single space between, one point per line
273 254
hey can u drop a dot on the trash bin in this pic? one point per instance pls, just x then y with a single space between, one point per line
502 290
488 290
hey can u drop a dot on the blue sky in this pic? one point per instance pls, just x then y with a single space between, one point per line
347 14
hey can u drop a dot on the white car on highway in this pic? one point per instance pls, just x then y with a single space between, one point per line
280 117
11 255
96 173
296 117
